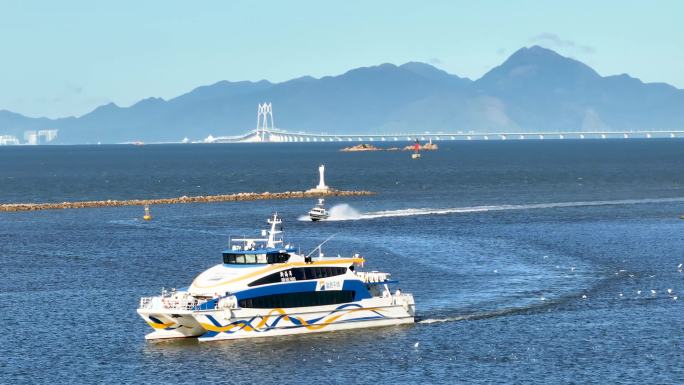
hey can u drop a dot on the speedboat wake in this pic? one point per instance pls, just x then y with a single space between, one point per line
344 212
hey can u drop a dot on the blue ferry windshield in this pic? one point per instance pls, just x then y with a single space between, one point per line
237 258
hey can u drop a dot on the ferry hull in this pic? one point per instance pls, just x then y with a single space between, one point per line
171 324
228 324
254 323
302 330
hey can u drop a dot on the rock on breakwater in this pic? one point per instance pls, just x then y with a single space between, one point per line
367 147
245 196
425 147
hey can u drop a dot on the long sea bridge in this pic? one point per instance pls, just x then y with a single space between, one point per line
266 132
281 136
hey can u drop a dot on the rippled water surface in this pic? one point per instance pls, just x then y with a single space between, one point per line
530 262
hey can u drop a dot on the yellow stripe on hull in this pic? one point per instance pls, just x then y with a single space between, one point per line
160 326
279 311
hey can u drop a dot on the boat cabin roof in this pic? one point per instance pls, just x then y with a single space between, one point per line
265 250
266 255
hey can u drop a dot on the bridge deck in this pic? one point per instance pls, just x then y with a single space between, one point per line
281 136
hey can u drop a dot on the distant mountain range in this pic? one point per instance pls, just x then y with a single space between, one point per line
535 89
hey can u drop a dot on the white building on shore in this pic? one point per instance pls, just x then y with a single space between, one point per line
31 138
8 140
39 137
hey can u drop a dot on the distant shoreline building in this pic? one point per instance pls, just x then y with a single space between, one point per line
8 140
47 135
31 138
39 137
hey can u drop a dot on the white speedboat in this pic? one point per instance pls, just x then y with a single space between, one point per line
318 212
267 288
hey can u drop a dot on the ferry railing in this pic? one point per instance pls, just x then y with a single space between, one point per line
173 303
146 302
373 276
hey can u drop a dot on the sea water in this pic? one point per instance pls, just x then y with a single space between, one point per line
530 262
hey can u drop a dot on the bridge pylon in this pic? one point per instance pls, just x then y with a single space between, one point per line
264 121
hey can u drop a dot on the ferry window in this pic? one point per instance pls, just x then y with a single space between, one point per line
299 274
255 258
271 278
277 258
288 300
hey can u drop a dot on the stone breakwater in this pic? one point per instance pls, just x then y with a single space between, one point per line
184 199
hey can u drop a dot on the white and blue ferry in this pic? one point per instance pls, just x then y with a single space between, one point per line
265 287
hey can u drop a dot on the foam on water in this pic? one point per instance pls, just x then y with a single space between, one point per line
344 212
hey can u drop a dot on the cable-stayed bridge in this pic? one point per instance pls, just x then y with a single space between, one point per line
266 132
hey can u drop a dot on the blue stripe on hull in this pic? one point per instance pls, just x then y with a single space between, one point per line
359 288
291 287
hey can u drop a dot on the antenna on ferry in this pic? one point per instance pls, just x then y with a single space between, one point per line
319 246
272 241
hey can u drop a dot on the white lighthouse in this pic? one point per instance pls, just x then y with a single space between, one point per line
321 181
321 187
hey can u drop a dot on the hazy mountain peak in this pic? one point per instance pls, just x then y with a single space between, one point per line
301 79
222 89
534 51
150 101
105 107
538 70
433 73
384 67
545 59
15 119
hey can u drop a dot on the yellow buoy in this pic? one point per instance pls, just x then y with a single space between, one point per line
147 215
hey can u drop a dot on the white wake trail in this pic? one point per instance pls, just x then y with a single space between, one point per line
344 212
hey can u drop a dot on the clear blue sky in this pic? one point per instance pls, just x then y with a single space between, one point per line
61 58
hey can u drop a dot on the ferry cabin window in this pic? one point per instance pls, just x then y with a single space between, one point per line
310 298
300 274
231 258
277 258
